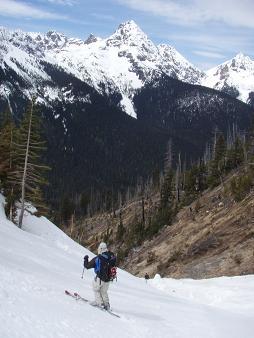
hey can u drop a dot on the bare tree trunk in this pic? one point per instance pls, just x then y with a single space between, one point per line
143 211
168 157
25 171
72 225
177 178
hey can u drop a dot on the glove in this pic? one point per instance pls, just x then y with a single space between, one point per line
85 260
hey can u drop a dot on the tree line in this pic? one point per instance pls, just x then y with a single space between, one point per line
179 185
22 172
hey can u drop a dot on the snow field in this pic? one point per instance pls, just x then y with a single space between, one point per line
38 263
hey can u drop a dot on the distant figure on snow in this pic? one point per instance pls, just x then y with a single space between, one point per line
147 277
105 271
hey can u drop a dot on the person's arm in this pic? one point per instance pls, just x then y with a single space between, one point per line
87 264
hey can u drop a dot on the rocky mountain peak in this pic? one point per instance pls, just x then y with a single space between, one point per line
55 36
235 77
241 56
32 42
129 34
242 61
91 38
4 32
177 66
129 27
54 40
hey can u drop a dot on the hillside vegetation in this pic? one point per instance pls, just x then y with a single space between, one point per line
194 223
213 236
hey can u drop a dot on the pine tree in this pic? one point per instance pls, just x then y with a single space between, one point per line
178 178
165 211
6 142
235 155
66 209
7 138
190 186
166 189
84 201
218 164
167 180
29 172
120 229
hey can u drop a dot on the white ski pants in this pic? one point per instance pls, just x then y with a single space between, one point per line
100 289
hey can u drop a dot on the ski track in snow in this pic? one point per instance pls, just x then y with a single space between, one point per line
38 263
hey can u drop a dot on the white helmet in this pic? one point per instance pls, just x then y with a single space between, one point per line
102 248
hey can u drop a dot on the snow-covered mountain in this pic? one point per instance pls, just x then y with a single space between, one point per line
82 86
121 63
24 65
235 77
39 262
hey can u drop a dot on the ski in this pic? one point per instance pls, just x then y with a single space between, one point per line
77 297
70 294
104 310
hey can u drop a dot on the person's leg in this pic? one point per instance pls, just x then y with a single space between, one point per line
97 292
104 294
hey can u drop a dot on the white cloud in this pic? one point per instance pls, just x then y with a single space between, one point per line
215 43
231 12
103 16
63 2
192 12
208 54
12 8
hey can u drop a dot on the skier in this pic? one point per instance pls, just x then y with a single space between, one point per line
102 265
147 277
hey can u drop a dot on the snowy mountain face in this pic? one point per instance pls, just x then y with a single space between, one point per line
175 65
23 65
124 62
121 63
84 89
39 262
235 77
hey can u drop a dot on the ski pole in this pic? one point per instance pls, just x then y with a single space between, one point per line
83 272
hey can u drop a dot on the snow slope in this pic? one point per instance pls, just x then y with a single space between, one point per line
38 264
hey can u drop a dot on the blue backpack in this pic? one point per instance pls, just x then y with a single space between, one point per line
105 266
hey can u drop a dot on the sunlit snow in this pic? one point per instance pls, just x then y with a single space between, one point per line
38 263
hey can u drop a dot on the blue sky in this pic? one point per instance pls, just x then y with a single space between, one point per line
206 32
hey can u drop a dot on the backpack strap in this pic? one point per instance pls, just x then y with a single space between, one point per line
97 265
